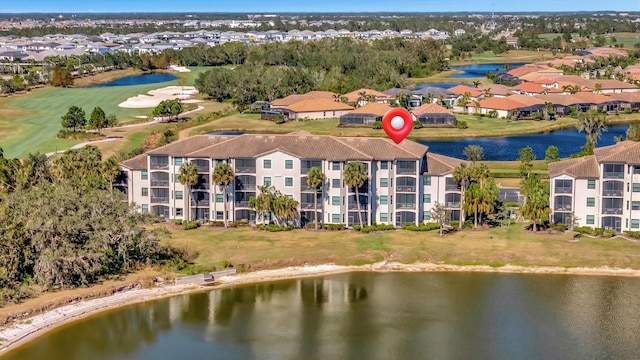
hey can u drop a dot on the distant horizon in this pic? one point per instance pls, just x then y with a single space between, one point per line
324 7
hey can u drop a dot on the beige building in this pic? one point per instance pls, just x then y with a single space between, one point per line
404 180
600 191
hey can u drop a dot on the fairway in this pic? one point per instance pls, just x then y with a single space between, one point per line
29 123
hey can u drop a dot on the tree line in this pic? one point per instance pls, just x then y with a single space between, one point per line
61 225
275 70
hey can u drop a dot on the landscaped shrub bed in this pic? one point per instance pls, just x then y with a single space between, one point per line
274 228
374 227
599 232
333 227
422 227
632 234
186 224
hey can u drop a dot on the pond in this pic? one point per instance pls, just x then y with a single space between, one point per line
369 316
142 79
480 70
568 141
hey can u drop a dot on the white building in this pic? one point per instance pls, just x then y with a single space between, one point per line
601 190
404 180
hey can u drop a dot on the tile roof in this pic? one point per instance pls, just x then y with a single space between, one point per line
631 97
372 108
496 89
462 89
624 151
136 163
441 165
559 99
526 100
310 105
614 84
186 146
430 108
593 98
309 146
499 104
531 88
354 95
583 167
292 99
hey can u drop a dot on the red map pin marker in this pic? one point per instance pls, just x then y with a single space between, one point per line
397 123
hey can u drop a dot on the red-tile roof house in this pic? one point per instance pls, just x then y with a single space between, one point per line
292 99
356 96
503 106
317 109
462 89
431 114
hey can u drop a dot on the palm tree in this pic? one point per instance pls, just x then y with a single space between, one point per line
476 83
473 198
362 97
110 171
188 177
355 176
593 123
464 99
473 153
597 88
462 175
223 176
547 110
315 179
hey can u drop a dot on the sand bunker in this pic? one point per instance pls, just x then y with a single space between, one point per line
179 68
154 97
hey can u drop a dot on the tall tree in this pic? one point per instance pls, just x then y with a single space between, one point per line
355 176
98 119
74 118
593 123
315 179
462 175
110 170
526 158
223 176
551 154
474 153
536 205
188 177
633 132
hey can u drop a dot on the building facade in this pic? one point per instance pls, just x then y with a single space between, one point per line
600 191
404 181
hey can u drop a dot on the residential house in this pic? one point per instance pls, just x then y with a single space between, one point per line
362 96
504 107
434 115
600 191
365 115
317 109
404 180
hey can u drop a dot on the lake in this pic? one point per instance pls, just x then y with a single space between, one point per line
568 141
480 70
142 79
369 316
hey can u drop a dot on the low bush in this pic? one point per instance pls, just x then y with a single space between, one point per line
609 233
333 227
422 227
509 204
177 221
216 223
189 225
462 124
417 124
632 234
274 228
240 223
377 125
373 227
559 227
583 229
598 232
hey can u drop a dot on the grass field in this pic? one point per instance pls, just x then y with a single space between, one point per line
627 39
510 56
496 247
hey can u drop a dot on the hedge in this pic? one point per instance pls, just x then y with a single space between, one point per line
422 227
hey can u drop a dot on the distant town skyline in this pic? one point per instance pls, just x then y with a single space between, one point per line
279 6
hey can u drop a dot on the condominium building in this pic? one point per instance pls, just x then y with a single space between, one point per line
404 180
601 190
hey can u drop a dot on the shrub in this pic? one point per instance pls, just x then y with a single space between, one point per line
240 223
511 204
189 225
609 233
598 231
356 227
274 228
417 124
280 119
333 227
422 227
492 114
628 110
454 223
216 223
583 229
633 234
177 221
373 227
560 227
462 124
377 125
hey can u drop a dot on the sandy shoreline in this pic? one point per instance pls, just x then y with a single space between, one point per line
25 330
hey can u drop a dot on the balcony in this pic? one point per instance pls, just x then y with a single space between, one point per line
405 205
246 187
242 203
305 205
200 187
406 167
613 174
612 192
245 170
453 205
609 211
159 200
354 206
405 188
563 190
159 166
160 183
452 187
562 207
203 202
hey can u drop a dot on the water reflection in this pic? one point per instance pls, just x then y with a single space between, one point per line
370 316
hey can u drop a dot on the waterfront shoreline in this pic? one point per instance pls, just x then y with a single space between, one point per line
21 332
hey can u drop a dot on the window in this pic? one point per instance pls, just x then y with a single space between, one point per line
426 198
635 205
178 211
591 184
145 192
384 182
266 181
145 208
179 195
335 165
635 223
219 215
591 202
177 162
219 198
426 216
288 181
335 183
144 174
591 219
427 179
384 199
636 169
384 165
290 196
266 163
288 164
636 187
335 200
384 217
335 218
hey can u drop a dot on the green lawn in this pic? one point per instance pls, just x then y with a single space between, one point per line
508 245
